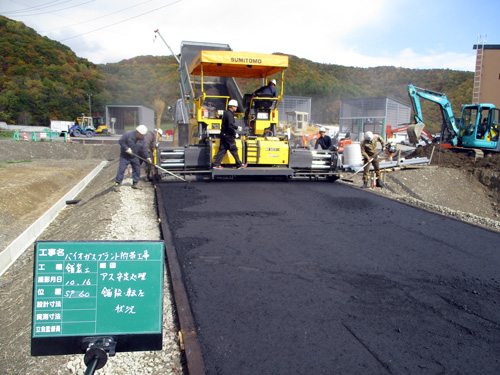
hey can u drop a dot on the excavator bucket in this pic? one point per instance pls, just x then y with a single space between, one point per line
414 132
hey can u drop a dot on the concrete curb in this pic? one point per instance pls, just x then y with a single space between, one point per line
13 251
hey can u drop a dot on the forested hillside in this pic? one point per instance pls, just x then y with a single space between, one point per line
42 79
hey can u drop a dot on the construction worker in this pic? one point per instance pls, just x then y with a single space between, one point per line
150 139
369 151
228 137
324 141
131 144
267 91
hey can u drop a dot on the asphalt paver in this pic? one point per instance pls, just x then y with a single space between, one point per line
308 277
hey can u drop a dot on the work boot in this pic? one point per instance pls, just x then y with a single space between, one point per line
136 185
365 185
117 187
380 184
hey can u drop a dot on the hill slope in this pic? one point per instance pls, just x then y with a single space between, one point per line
43 79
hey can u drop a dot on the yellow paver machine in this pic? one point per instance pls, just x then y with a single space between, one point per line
208 75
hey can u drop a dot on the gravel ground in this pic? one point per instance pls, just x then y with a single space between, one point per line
133 221
102 214
447 191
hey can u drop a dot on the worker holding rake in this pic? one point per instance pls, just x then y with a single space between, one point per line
369 153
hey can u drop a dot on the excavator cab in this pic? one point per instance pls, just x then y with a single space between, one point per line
479 126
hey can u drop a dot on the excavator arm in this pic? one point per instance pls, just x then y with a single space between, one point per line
415 93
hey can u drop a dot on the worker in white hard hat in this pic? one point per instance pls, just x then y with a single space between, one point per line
369 152
228 134
132 144
324 141
151 139
268 91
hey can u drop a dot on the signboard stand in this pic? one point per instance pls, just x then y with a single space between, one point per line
97 298
96 355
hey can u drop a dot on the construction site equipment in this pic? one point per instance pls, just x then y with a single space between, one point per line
342 143
477 128
297 124
160 168
416 134
207 79
72 128
98 124
86 125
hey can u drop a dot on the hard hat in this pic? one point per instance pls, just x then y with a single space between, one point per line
142 129
322 130
159 131
233 103
369 136
273 81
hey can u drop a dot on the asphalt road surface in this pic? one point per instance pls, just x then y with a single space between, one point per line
321 278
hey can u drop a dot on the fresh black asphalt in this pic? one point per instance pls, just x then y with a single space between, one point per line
312 277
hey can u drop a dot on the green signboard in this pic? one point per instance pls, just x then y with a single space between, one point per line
87 289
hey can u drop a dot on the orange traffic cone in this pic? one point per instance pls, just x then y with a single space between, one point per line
25 137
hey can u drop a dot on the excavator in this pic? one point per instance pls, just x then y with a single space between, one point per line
207 80
425 136
477 128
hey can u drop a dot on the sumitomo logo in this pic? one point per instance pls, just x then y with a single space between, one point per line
245 60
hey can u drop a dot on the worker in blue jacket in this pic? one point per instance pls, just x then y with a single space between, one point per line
324 141
131 144
267 91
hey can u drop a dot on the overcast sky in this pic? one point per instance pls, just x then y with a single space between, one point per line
422 34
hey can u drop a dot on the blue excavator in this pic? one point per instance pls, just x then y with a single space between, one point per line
477 128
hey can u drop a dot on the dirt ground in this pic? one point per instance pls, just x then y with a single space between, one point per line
34 175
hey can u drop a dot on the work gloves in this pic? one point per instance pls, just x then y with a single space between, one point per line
129 151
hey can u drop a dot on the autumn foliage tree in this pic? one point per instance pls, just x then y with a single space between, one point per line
42 79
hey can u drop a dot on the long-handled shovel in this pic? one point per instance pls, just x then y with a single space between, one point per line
363 167
160 168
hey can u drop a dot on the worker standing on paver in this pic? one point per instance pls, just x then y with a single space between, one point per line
324 141
369 151
131 144
228 137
